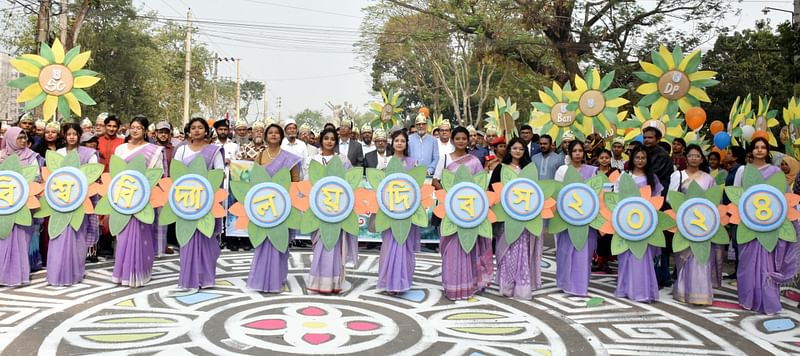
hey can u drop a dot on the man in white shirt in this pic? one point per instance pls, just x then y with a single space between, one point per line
305 136
367 145
229 148
377 158
292 144
617 156
445 145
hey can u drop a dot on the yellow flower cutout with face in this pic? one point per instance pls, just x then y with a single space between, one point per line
673 82
55 79
670 126
765 119
596 103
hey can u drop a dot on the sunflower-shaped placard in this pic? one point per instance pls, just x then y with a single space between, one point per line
741 112
791 118
388 111
633 216
264 207
331 201
465 206
578 207
595 102
553 115
193 199
762 210
55 79
524 201
67 191
669 125
503 117
17 194
765 119
127 193
700 220
673 82
401 198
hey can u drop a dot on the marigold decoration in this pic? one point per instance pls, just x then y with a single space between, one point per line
596 103
402 195
700 220
16 208
765 119
762 210
525 201
55 79
197 177
671 126
633 217
552 113
388 111
578 207
67 191
283 217
503 117
330 231
463 207
124 185
673 82
739 114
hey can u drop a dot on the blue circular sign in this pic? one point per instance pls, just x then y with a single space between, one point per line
634 219
398 196
698 220
191 196
466 205
129 192
332 199
522 199
267 204
66 189
578 204
763 208
14 192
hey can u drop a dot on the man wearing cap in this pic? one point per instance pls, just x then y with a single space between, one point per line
39 127
445 145
100 125
349 146
229 148
423 147
377 158
479 150
366 139
241 138
86 126
26 124
306 136
292 144
250 150
491 135
617 157
164 139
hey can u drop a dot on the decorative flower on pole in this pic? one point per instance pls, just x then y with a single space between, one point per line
578 207
67 191
671 126
194 199
791 118
332 201
633 217
739 114
129 191
503 117
264 207
673 82
763 210
700 220
401 198
553 115
465 206
54 79
18 192
596 103
524 201
388 111
765 119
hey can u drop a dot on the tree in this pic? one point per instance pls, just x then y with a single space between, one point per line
313 118
250 91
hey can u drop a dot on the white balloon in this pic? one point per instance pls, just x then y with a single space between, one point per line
747 132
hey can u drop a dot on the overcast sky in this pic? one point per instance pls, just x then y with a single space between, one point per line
302 49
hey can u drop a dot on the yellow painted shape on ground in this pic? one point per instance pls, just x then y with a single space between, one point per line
473 316
126 303
120 338
142 320
488 331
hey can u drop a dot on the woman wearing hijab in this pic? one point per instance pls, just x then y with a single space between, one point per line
15 266
790 167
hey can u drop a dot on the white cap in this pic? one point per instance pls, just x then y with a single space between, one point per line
288 122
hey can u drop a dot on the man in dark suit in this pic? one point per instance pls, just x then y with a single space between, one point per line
354 152
377 158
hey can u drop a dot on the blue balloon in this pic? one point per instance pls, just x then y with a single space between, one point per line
722 140
639 138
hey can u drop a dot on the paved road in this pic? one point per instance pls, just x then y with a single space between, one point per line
98 317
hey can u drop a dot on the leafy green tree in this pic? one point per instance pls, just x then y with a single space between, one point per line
313 118
251 91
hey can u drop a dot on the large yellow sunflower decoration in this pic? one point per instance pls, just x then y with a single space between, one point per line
791 118
596 103
671 126
552 113
435 122
388 111
503 117
765 119
673 82
55 79
740 113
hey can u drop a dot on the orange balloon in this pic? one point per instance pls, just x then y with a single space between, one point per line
760 133
695 117
722 153
716 126
425 111
211 122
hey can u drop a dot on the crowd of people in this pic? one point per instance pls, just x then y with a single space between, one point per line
515 268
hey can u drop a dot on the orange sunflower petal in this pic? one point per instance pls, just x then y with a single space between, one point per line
241 222
492 217
657 201
35 188
793 214
494 197
498 187
33 203
299 193
792 199
427 196
614 177
607 228
366 201
158 196
547 214
88 208
439 211
237 209
216 208
45 173
733 212
645 191
605 213
165 184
